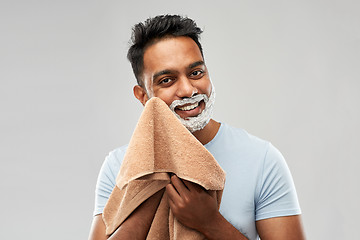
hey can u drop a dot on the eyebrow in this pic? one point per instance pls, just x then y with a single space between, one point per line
163 72
167 71
195 64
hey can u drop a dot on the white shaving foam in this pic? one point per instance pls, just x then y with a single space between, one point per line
194 124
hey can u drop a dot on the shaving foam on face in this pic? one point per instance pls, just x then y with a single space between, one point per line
194 124
149 88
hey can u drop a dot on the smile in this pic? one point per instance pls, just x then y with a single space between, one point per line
189 107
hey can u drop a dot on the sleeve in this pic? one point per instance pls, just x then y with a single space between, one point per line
106 180
276 195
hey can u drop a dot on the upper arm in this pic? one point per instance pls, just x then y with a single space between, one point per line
276 194
281 228
106 182
97 231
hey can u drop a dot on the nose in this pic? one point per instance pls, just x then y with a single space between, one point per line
185 88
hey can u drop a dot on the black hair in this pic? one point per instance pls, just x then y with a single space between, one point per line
154 29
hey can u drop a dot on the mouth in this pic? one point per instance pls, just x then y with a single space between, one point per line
190 110
188 107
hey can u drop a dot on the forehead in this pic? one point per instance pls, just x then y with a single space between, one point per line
171 53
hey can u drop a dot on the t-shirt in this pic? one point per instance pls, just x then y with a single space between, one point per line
258 182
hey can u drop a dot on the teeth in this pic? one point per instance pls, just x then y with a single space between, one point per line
189 107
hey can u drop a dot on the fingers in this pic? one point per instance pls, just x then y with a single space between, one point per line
172 193
183 186
179 185
180 189
177 191
190 203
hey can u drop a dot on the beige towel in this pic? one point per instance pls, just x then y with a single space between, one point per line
160 145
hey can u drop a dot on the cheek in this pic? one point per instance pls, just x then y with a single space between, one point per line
167 95
205 87
209 89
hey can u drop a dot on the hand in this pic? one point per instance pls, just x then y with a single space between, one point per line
191 204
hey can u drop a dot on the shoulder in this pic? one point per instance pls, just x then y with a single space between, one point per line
112 162
116 155
107 178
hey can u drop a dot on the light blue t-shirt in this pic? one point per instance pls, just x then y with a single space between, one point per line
258 182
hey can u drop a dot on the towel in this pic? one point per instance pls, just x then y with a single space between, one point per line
160 145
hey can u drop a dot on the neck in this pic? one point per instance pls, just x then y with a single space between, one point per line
206 134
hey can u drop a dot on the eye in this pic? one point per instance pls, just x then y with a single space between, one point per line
165 81
197 73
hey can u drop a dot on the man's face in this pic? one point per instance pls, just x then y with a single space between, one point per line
174 69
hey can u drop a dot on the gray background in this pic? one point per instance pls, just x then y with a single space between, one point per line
286 71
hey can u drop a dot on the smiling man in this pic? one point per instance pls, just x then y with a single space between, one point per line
259 197
175 71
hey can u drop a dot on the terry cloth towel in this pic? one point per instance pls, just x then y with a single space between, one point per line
160 145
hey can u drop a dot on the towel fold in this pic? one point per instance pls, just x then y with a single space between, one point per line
160 145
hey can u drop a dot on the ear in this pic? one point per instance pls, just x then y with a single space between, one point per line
140 94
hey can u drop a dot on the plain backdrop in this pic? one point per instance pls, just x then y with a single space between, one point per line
286 71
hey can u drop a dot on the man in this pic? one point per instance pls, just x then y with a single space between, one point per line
259 197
